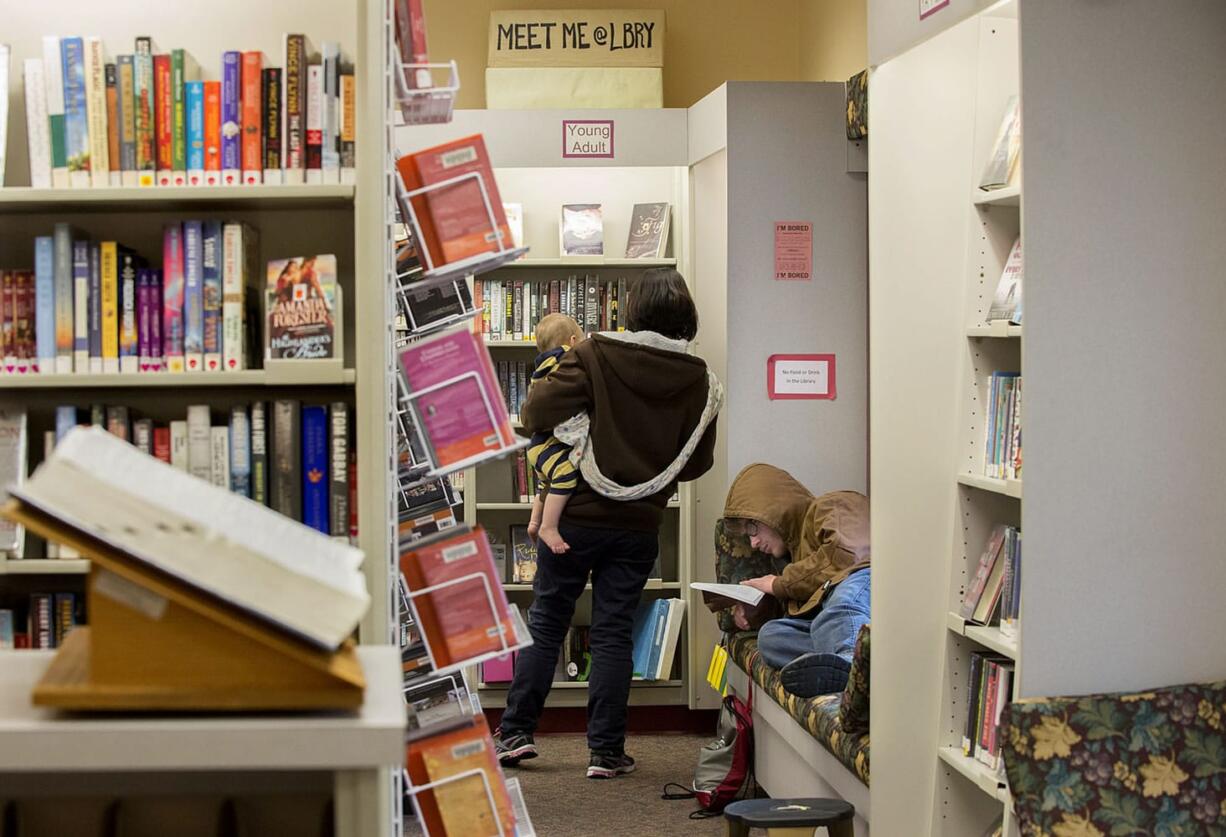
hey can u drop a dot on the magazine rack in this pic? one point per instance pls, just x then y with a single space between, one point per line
412 791
522 638
408 401
471 266
426 105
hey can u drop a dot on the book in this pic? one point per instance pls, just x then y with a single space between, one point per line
435 704
1007 303
180 456
581 232
642 632
461 806
109 337
231 127
38 138
240 252
348 129
734 593
194 96
672 635
329 112
142 435
436 305
76 114
259 452
157 347
93 302
23 322
125 89
285 472
14 446
240 451
183 69
199 442
95 96
463 417
282 573
515 222
458 621
212 133
53 84
144 99
293 103
302 301
44 302
193 296
648 237
314 467
161 443
80 306
1001 167
338 469
314 123
985 567
211 295
251 150
129 323
410 22
454 220
144 314
164 118
499 669
173 298
272 133
219 454
524 556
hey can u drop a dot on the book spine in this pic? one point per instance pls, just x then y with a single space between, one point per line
194 105
27 352
64 295
240 451
117 422
314 123
233 289
37 127
251 155
80 307
259 452
94 311
53 85
212 133
163 117
95 95
157 347
44 303
338 469
286 472
315 468
109 337
126 95
76 111
330 102
8 322
172 298
199 441
348 138
180 456
144 97
272 124
219 456
179 77
211 294
142 435
193 296
353 496
111 74
143 306
231 93
161 444
972 698
293 153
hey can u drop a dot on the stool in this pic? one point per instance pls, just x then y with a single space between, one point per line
790 817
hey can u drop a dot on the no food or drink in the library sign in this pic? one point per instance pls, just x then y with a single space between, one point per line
792 377
587 138
794 250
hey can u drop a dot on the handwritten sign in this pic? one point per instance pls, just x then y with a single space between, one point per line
792 377
577 38
931 7
794 250
587 138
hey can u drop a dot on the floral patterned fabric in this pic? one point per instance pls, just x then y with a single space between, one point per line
1148 763
820 716
736 560
853 709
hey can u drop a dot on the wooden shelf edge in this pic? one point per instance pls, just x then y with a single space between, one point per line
27 199
1008 196
245 378
976 772
1009 488
989 636
994 329
44 566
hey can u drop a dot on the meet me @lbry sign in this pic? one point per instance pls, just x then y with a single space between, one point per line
576 38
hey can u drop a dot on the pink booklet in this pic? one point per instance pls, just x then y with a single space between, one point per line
456 420
499 669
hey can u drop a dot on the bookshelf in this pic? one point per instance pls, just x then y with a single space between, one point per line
348 220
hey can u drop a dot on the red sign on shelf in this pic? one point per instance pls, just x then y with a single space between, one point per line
794 377
794 250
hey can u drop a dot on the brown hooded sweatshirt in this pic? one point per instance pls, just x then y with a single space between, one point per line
644 403
828 536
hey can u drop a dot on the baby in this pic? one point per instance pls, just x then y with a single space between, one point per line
550 458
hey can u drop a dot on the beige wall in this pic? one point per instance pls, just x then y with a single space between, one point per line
708 41
833 39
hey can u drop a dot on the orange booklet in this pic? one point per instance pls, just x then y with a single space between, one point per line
460 808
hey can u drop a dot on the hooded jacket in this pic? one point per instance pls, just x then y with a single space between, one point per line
644 398
827 536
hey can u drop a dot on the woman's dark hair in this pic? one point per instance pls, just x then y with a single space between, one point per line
659 301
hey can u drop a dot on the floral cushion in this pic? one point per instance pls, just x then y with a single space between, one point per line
1150 763
736 560
820 716
853 709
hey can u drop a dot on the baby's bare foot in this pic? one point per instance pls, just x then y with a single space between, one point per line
553 539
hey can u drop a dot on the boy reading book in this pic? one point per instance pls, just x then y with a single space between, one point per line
549 457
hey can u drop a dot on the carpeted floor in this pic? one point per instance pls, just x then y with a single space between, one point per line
563 802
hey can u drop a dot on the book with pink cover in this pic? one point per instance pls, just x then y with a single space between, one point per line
172 298
499 669
467 416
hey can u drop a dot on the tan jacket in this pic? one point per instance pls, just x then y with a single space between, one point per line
828 536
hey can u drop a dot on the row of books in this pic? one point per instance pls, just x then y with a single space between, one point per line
515 560
657 627
989 690
93 307
514 378
149 119
47 620
1003 438
994 591
526 481
511 309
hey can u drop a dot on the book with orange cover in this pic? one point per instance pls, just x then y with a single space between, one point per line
453 219
457 620
163 118
460 808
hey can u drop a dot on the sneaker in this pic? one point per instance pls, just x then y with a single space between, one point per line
810 675
513 749
609 765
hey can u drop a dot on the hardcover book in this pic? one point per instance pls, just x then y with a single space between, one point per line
183 69
193 296
330 104
302 299
986 569
338 470
94 305
259 452
129 321
211 294
314 123
252 144
273 133
581 230
285 473
315 484
648 237
293 102
349 122
109 337
411 41
172 298
240 269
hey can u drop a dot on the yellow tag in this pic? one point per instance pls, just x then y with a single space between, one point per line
717 673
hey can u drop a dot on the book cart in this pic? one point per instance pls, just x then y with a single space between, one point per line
531 171
426 668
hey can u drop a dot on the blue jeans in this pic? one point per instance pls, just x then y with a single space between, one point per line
831 630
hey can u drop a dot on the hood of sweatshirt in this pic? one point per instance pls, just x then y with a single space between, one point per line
651 365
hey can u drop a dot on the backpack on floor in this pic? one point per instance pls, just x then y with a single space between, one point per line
725 764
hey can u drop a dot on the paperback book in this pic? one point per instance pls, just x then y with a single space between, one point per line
1007 303
303 304
648 238
581 230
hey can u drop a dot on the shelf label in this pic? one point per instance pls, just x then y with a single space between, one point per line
794 250
931 7
794 377
576 38
587 138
